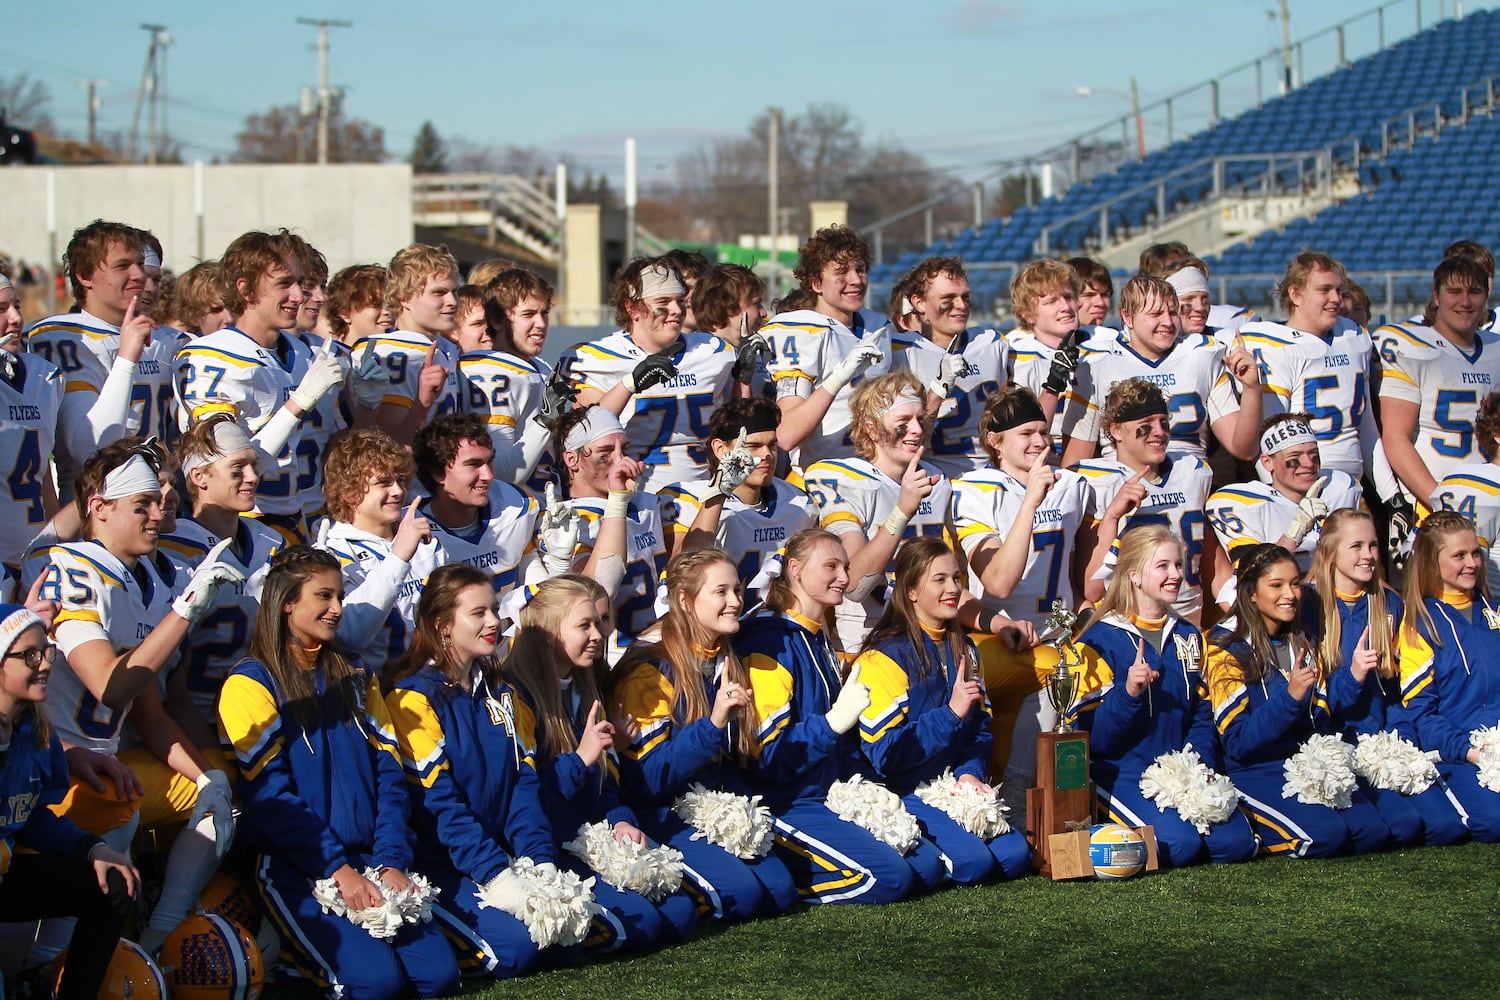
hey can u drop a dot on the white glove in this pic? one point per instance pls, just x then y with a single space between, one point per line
1309 512
559 533
949 369
853 699
326 371
215 799
851 367
734 468
505 892
194 602
369 380
546 870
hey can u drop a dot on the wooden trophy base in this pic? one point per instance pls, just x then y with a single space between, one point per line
1063 797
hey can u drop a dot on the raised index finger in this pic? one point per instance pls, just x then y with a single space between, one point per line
1364 639
130 311
916 460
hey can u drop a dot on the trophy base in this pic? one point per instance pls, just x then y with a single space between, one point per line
1063 797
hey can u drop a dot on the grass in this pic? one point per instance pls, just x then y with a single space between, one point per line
1410 924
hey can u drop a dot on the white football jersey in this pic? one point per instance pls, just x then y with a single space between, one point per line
28 431
985 505
748 532
1251 513
506 391
222 637
806 345
84 347
637 603
665 426
402 352
1422 367
1176 498
328 418
98 598
1031 361
1326 378
227 372
380 595
853 495
1225 321
1199 390
1474 491
957 446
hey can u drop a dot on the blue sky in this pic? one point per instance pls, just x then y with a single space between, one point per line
966 82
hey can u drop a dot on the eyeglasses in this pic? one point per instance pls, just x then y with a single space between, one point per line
33 657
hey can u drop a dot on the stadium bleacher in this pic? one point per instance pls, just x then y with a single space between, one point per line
1434 70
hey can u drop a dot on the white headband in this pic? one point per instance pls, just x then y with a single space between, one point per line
903 398
135 476
659 279
150 257
229 437
599 423
5 283
1287 434
1188 280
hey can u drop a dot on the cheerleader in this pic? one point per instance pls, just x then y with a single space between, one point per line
1142 695
685 712
561 716
1268 698
322 789
928 710
1450 660
61 871
1353 616
807 739
476 804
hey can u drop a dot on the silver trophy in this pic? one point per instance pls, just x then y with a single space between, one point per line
1063 682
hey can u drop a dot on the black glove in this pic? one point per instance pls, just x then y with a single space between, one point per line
747 357
1063 363
1399 537
655 369
557 399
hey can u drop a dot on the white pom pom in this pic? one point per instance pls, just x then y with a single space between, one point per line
654 872
1321 773
407 906
555 905
876 809
982 815
740 825
1488 742
1385 760
1180 780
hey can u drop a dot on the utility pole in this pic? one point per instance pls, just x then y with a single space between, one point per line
630 198
93 89
156 57
773 194
1286 48
325 93
1140 124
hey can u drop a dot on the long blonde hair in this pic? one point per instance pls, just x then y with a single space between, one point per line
1330 649
1423 579
681 639
536 655
1136 548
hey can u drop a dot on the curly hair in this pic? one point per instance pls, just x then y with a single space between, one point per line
720 292
826 246
353 463
920 278
250 258
626 286
1129 393
352 289
436 445
196 292
869 399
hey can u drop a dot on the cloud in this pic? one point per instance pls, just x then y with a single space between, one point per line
982 15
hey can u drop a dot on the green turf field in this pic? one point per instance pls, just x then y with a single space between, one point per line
1419 923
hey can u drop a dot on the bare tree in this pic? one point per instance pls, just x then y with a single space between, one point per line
282 135
26 103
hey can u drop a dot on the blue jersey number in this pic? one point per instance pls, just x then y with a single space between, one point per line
961 422
1443 417
25 479
1056 541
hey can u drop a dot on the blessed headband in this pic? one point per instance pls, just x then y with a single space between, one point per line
758 421
906 397
659 279
1026 410
1188 280
229 437
134 477
1287 434
1150 407
598 424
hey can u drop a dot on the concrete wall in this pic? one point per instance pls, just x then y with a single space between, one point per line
353 213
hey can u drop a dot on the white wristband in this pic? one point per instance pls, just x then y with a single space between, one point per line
896 521
618 504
